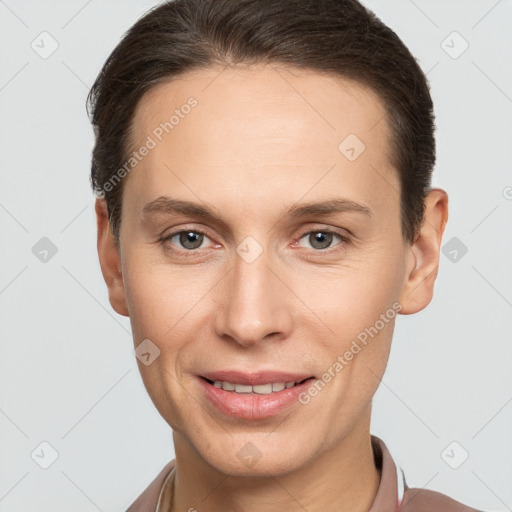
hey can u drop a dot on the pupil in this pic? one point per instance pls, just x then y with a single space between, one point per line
190 239
323 239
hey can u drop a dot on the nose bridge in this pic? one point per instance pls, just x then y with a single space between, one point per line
255 302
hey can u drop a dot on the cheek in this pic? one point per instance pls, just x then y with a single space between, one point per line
355 309
167 306
158 297
347 299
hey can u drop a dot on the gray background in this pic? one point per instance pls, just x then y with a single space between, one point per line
68 375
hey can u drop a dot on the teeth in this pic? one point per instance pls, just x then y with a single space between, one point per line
279 386
243 388
263 389
228 386
260 389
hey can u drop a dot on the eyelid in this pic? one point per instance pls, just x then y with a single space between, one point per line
327 229
194 229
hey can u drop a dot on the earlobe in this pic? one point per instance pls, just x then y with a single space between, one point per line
110 260
423 255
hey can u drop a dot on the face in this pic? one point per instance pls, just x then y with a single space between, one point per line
261 243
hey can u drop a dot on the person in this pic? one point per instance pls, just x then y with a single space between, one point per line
262 171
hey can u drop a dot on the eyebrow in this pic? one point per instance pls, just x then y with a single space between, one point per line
165 205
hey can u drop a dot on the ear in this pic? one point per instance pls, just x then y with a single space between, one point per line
423 254
110 260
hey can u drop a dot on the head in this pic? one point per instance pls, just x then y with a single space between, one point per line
263 172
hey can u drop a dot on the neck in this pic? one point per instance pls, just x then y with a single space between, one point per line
343 478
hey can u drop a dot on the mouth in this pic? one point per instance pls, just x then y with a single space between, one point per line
256 389
256 396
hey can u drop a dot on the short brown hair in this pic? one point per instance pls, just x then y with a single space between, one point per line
341 37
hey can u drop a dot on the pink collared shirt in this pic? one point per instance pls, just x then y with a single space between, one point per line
393 494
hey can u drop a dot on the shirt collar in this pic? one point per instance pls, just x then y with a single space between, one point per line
390 494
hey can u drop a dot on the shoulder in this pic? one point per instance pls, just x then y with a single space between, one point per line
147 500
425 500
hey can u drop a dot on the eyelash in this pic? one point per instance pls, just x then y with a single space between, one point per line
344 241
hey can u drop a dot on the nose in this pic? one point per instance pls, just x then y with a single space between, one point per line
256 305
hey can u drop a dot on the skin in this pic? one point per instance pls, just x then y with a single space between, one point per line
261 139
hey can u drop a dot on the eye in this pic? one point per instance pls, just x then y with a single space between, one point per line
322 239
189 239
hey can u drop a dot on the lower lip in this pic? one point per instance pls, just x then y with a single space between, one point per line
249 406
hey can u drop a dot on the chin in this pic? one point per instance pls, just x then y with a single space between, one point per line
255 455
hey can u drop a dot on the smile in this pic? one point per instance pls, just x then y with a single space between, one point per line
260 389
259 397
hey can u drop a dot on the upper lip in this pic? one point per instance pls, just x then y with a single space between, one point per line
253 379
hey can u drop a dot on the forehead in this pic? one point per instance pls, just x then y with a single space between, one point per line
259 126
